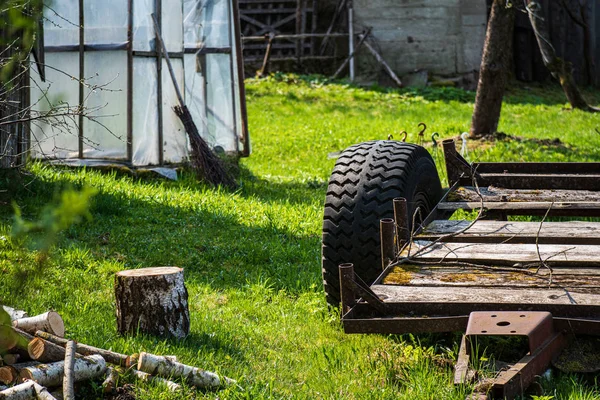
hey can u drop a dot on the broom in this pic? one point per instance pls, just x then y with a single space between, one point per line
205 162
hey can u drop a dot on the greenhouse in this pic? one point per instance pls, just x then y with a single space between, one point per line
103 58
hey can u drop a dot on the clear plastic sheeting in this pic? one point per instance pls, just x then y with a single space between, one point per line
206 23
105 128
105 22
143 28
61 23
209 82
175 141
209 99
58 137
172 25
145 112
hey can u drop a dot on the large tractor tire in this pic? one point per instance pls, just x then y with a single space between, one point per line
365 180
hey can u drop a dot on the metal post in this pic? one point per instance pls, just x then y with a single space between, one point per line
81 76
387 235
130 80
347 296
402 221
351 38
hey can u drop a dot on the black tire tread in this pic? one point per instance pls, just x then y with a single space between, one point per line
365 180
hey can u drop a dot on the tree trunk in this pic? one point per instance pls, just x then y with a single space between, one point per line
152 300
560 69
494 70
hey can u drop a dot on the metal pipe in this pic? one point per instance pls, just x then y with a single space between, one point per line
347 296
402 221
81 77
244 137
387 235
159 91
351 39
130 80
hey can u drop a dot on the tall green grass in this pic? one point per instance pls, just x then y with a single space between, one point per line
252 256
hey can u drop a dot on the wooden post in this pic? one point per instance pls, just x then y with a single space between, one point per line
381 61
152 300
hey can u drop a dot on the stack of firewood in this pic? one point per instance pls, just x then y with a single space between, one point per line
45 365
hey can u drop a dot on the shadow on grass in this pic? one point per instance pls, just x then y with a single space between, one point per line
214 247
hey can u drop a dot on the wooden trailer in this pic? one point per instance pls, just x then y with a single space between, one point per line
397 264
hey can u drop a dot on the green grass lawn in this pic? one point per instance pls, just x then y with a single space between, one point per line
252 256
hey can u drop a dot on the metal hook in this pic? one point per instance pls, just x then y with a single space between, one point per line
420 138
433 136
390 137
404 135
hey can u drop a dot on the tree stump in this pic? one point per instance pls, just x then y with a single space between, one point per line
152 300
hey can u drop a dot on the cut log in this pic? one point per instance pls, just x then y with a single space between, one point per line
49 321
43 393
146 377
86 350
111 381
45 351
152 300
161 366
26 390
89 367
68 380
10 373
10 359
14 313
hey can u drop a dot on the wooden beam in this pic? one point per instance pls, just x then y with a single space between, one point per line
505 254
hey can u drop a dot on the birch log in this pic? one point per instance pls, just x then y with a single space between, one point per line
49 321
86 350
26 390
152 300
45 351
89 367
14 313
161 366
69 379
10 359
111 380
146 377
10 373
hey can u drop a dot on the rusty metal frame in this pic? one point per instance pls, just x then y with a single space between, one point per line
545 342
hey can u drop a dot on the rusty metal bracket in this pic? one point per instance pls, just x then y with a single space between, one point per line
456 166
544 344
353 287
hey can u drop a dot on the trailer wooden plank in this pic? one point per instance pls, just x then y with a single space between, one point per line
496 194
485 231
505 254
541 181
540 206
478 296
538 167
565 278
